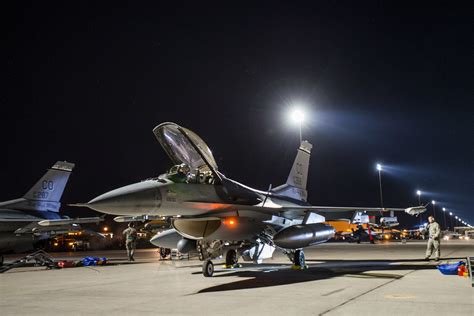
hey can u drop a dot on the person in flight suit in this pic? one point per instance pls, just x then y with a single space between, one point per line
434 233
130 240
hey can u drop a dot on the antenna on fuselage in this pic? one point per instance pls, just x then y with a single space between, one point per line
266 195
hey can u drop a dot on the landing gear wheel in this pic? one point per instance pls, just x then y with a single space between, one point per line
231 258
299 258
208 268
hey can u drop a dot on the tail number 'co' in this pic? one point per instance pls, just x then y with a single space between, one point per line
47 185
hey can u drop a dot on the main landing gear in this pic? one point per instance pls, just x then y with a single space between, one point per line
298 258
231 258
299 261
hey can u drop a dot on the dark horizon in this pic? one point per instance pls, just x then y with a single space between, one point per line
381 82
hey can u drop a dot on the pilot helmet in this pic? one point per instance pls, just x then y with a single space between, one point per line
184 168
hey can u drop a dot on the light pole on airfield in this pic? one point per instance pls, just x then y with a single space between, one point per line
444 217
297 116
379 169
418 193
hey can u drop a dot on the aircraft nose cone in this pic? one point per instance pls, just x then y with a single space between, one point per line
138 198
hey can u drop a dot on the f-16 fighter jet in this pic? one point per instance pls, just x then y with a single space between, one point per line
35 216
218 216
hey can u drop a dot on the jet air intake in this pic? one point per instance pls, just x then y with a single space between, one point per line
299 236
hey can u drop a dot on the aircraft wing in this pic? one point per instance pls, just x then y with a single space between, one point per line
301 210
56 225
415 210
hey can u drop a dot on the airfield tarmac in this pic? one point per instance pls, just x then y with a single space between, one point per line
342 279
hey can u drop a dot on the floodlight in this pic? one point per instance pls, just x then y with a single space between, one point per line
297 115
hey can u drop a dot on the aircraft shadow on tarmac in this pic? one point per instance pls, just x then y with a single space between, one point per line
268 275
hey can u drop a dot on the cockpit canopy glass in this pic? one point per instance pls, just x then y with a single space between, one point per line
184 146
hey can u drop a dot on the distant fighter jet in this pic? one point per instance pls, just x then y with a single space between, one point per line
218 216
35 216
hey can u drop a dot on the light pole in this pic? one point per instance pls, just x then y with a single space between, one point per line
434 210
297 116
456 221
379 169
451 219
444 216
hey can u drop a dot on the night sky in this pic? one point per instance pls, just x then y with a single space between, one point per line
87 82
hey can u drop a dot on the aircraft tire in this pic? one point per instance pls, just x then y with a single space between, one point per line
299 258
208 268
231 257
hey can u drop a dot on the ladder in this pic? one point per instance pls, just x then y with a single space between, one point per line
470 266
41 258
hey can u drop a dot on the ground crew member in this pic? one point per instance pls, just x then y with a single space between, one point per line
358 233
434 233
130 240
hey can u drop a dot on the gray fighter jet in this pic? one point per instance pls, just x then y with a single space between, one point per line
35 216
218 216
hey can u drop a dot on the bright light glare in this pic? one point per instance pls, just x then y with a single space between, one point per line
379 167
297 116
433 202
450 213
418 192
444 209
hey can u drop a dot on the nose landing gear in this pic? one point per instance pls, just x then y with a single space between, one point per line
208 268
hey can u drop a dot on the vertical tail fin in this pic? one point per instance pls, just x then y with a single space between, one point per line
295 186
46 194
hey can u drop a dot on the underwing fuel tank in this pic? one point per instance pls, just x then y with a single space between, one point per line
186 245
172 240
166 239
299 236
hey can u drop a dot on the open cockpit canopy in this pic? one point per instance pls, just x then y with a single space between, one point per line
183 146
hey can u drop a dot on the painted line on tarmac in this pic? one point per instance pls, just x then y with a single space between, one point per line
362 294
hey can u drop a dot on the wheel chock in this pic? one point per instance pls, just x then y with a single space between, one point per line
295 267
